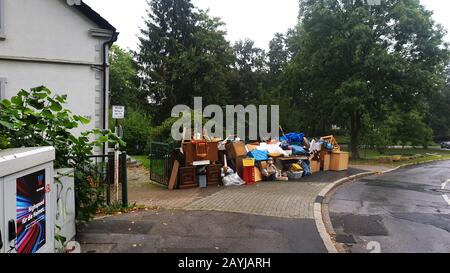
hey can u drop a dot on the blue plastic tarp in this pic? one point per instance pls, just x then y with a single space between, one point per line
297 150
259 155
293 138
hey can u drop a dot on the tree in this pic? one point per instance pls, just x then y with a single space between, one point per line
249 73
438 116
410 129
278 56
136 132
182 54
124 81
354 59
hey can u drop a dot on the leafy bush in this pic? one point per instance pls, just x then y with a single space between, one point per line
410 129
36 118
136 132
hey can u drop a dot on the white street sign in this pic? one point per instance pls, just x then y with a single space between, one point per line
118 112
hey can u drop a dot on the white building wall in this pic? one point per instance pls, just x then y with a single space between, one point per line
48 29
48 42
78 82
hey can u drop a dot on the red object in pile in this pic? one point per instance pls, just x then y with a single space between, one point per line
248 174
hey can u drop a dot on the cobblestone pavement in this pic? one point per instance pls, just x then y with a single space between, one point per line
278 199
144 193
289 200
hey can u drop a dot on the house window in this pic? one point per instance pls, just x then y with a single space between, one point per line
2 19
2 88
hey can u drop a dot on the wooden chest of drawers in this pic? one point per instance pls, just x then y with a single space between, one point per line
213 175
187 178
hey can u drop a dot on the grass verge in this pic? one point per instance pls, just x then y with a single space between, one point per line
397 157
144 160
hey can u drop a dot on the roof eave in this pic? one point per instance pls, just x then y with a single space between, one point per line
87 11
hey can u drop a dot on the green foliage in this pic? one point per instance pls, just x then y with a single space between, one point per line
124 80
376 135
137 130
410 129
278 56
182 54
162 133
352 60
438 116
345 63
118 208
38 118
249 75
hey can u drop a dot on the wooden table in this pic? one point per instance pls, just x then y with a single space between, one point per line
284 163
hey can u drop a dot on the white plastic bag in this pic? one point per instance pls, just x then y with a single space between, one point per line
232 180
272 148
315 146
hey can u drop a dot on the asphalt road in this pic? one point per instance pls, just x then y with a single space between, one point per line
405 211
200 232
188 231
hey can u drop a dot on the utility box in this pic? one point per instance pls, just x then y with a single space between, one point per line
27 219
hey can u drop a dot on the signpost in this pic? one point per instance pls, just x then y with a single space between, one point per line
117 114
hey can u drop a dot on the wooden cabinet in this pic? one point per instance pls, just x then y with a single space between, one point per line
200 152
187 178
339 161
213 175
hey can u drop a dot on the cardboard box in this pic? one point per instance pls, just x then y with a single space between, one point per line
236 149
240 165
258 175
249 162
252 147
339 161
325 159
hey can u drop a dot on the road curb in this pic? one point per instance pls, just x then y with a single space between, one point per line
321 213
414 164
323 223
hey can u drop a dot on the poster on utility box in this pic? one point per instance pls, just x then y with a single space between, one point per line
30 205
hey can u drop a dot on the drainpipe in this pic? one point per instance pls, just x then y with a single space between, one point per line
105 90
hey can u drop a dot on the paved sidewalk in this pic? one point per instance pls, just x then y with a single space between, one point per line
144 193
278 199
268 217
289 200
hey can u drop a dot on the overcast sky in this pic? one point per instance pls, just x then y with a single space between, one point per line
254 19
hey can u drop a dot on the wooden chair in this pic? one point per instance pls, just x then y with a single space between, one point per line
333 141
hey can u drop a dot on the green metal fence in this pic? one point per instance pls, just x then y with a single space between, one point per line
160 159
104 174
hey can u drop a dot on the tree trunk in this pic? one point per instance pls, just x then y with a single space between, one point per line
355 125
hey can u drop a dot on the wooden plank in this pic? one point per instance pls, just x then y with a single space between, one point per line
173 176
292 158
